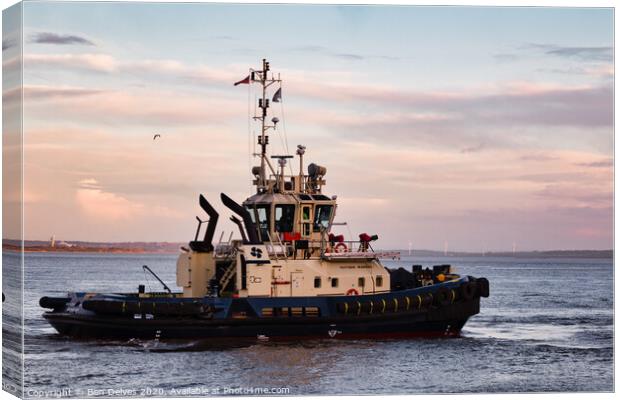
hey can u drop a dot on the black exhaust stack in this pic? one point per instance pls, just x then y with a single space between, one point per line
205 245
213 216
238 222
245 215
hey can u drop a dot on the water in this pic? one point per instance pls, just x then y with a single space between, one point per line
548 326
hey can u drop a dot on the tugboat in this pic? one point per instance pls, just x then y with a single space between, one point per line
287 276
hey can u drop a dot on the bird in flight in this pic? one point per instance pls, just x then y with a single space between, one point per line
157 135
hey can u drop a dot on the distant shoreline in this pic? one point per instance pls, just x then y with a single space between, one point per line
39 246
79 249
35 246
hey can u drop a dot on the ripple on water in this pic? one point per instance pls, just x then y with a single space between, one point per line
539 331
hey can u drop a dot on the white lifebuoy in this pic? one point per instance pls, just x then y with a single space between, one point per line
340 248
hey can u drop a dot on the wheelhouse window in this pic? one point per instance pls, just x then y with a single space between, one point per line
361 282
317 282
334 282
251 211
260 216
306 225
379 281
305 213
284 217
322 215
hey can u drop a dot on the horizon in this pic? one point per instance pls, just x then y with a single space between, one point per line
472 251
482 127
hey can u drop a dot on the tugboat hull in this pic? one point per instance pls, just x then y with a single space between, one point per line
407 313
411 325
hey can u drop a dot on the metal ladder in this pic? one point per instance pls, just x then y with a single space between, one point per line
230 271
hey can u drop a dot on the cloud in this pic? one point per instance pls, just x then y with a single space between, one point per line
89 183
476 115
578 227
97 203
342 55
584 53
603 71
54 38
523 103
508 115
562 193
91 62
225 37
103 63
597 164
528 102
537 157
349 56
42 93
456 117
551 177
473 149
139 107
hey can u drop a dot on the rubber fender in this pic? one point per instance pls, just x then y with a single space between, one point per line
366 307
418 301
354 307
442 297
427 300
53 302
467 291
483 287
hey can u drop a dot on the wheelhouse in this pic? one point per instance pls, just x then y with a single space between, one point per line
291 217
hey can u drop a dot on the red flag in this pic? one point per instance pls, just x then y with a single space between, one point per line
244 81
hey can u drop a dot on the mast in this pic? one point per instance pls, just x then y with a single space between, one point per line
263 140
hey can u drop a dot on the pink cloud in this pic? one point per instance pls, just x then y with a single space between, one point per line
136 106
92 62
108 207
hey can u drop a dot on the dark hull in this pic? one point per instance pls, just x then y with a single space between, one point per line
441 321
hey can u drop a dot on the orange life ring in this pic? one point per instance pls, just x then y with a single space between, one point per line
352 292
340 248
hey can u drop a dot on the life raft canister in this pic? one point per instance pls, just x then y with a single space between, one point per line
352 292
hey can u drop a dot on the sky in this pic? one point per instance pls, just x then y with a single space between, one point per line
478 127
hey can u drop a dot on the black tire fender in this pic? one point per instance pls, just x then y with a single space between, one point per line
467 291
483 287
442 297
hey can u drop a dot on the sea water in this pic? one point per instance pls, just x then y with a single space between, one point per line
547 327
